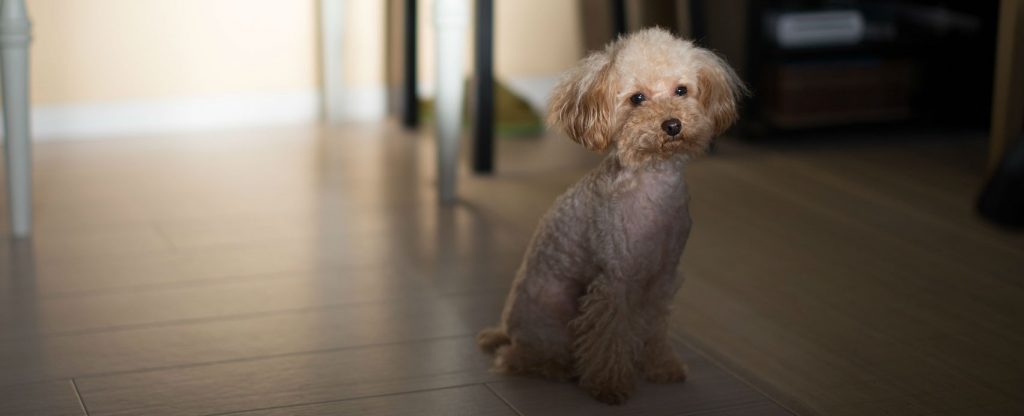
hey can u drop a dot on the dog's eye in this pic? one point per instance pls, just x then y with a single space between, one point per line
638 98
681 90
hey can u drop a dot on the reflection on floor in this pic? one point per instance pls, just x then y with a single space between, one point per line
309 270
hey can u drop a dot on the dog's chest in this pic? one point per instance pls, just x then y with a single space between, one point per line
652 211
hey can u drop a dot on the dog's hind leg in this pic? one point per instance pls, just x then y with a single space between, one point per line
605 346
519 358
534 337
537 345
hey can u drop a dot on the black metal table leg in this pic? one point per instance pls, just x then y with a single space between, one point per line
483 89
410 104
618 18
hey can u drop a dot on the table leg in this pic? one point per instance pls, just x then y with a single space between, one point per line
410 110
450 20
483 95
14 41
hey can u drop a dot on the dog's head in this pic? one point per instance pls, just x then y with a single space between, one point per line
647 96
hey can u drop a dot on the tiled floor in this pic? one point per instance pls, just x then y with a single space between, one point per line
309 270
291 271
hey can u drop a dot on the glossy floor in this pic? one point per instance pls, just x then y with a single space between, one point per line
310 270
288 271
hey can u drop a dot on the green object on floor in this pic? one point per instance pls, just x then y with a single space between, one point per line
513 116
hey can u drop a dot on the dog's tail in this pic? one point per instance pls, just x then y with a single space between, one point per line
491 339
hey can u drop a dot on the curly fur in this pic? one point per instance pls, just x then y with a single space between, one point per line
591 298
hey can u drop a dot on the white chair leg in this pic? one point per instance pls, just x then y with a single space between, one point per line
14 41
450 20
332 20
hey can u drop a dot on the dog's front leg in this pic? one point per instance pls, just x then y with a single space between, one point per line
658 360
605 347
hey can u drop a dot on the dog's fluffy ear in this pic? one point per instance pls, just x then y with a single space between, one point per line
719 90
582 103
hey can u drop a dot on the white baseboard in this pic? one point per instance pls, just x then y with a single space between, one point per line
364 103
130 118
151 117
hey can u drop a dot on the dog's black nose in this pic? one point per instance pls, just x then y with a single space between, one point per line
672 126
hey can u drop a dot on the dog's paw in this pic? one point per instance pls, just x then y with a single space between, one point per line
610 396
613 389
669 371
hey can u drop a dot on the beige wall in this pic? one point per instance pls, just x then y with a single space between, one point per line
536 37
111 50
116 50
531 38
364 43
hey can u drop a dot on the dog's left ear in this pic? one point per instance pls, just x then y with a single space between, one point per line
719 90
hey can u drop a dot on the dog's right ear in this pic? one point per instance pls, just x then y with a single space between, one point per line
582 104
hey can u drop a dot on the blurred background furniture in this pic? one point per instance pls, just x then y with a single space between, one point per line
819 64
611 18
1008 90
812 65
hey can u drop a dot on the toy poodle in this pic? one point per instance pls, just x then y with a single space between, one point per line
591 300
